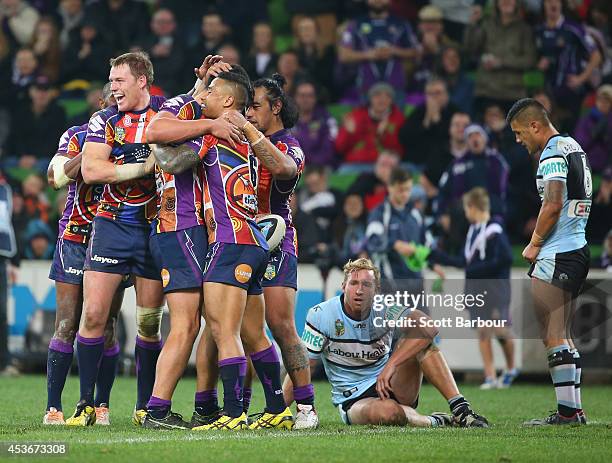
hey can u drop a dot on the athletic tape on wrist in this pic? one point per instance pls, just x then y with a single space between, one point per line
59 174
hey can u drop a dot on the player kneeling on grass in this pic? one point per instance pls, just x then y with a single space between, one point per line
371 385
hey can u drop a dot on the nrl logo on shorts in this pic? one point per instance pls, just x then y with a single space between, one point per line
339 327
270 272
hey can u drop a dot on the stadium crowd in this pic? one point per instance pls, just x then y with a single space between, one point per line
379 84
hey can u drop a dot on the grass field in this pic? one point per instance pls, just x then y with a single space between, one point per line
22 402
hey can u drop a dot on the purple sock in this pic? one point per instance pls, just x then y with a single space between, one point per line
304 394
267 366
59 360
89 355
106 375
246 399
146 354
206 402
232 371
158 408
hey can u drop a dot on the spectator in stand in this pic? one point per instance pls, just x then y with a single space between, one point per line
25 71
460 86
46 46
87 55
39 241
436 164
71 13
7 95
594 130
567 56
433 42
322 11
351 229
600 15
288 66
372 186
557 117
503 47
600 221
425 132
213 34
307 228
166 52
241 16
230 53
522 200
378 44
121 23
316 129
261 61
188 15
369 130
93 97
35 203
479 167
606 255
457 14
18 21
319 200
316 59
37 125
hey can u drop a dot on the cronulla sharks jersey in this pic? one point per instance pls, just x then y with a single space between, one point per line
353 352
564 160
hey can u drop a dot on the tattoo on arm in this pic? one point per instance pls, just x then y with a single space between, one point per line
553 191
295 358
262 152
175 159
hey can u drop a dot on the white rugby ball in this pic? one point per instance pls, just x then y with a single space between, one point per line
273 228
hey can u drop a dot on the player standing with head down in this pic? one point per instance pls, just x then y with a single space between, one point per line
116 154
558 250
266 127
67 271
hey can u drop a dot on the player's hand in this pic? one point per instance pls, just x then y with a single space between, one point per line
530 253
206 64
225 130
217 69
234 117
383 382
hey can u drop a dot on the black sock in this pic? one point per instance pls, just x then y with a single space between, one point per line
106 375
146 354
232 371
158 408
89 355
206 402
458 405
59 360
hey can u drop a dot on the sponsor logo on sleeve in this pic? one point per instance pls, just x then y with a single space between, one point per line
312 339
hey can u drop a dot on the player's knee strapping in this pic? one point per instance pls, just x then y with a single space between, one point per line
148 321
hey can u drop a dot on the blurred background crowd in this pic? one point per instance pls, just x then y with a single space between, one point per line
424 85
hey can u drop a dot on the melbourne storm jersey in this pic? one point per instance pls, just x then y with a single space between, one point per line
353 352
82 201
230 200
179 197
564 160
131 202
273 194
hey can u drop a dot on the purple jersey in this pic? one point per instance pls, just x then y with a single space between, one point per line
273 195
82 201
179 197
131 202
367 33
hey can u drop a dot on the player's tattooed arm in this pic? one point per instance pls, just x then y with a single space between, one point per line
549 212
175 159
279 165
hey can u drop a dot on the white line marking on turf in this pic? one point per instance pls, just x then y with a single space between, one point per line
221 435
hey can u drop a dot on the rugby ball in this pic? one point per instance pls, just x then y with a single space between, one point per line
273 228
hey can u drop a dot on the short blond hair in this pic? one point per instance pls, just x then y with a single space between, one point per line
139 64
478 198
362 263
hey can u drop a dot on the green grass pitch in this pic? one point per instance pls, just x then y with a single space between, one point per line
23 401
